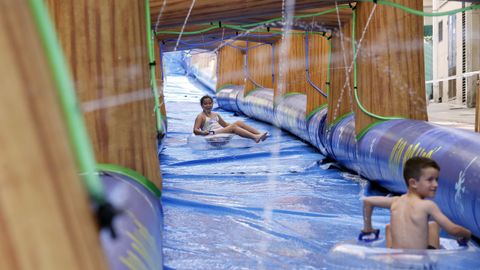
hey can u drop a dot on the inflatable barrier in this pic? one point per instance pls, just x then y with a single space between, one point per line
136 239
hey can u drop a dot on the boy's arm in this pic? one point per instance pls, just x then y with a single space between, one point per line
458 231
197 128
368 204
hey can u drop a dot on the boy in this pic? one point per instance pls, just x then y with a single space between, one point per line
409 226
210 123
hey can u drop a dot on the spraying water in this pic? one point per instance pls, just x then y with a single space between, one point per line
288 9
348 68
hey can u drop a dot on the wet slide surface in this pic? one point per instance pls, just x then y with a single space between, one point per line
270 206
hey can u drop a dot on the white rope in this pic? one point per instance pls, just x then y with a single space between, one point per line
184 24
160 15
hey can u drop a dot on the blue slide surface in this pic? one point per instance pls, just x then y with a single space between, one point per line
269 206
273 205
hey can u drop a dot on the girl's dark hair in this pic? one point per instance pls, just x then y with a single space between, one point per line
205 97
413 167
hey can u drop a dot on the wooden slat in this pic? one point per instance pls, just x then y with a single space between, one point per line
205 11
259 66
46 220
290 66
391 76
318 50
204 40
340 98
105 43
206 62
230 67
208 13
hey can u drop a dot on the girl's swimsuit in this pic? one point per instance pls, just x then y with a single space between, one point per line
211 123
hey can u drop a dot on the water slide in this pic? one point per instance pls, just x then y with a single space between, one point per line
279 204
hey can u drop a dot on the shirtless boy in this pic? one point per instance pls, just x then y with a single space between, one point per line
409 226
210 123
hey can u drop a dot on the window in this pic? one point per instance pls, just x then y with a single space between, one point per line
452 41
452 55
440 31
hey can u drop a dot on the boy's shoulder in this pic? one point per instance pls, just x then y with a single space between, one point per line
418 202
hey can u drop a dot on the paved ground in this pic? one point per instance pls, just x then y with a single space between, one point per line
450 115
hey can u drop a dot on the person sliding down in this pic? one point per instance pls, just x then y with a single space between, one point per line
210 123
410 213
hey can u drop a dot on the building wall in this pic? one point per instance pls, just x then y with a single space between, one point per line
427 7
473 50
445 91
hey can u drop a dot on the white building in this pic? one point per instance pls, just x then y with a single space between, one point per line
456 52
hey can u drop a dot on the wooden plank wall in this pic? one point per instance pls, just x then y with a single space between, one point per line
391 77
230 66
341 99
206 62
105 43
46 221
259 66
318 50
290 65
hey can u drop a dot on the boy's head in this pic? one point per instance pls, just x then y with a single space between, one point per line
206 97
415 168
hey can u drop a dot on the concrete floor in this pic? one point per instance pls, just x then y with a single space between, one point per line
449 115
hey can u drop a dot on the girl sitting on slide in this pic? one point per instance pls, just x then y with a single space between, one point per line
210 123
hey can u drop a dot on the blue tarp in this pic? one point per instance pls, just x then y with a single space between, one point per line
174 63
271 206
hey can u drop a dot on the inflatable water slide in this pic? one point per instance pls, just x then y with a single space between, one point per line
368 111
85 122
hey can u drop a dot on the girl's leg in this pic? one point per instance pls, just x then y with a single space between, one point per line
242 124
247 127
234 128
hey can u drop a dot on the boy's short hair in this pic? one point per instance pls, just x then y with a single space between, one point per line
413 167
205 97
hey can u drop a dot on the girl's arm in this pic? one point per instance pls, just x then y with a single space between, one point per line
197 127
222 122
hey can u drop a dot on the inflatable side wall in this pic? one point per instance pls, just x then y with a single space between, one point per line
380 154
137 239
